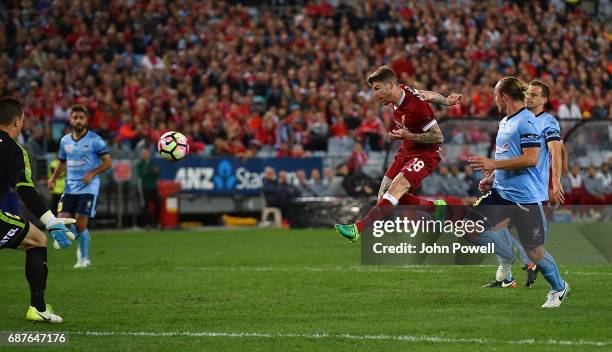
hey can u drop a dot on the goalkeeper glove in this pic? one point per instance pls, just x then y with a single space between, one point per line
62 237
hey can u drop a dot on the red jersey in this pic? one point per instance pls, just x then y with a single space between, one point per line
415 115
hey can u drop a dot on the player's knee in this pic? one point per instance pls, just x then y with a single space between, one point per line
399 187
535 254
81 224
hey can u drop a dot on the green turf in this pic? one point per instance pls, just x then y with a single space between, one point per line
299 290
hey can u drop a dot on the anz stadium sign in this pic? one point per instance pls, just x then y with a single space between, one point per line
223 176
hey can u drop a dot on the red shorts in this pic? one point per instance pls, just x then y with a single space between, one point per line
415 167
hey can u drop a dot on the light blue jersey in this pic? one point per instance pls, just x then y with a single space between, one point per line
82 156
526 185
550 131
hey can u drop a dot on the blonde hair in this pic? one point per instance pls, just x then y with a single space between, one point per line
512 87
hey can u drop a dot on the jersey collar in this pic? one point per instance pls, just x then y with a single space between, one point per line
401 99
83 136
516 113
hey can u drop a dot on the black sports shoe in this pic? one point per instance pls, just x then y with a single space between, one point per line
532 274
501 284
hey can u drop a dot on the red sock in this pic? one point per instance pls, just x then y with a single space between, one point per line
380 211
411 199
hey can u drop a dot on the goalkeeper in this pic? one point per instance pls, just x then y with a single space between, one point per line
16 232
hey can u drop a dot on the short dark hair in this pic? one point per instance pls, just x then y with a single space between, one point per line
10 109
382 74
512 87
79 108
545 89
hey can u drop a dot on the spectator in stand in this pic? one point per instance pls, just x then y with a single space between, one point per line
286 192
316 183
358 158
299 152
332 184
167 67
148 175
284 151
270 189
356 183
341 146
569 109
318 131
595 192
606 179
576 192
371 131
221 147
303 186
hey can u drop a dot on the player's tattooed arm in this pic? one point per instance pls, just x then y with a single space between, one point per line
437 98
432 136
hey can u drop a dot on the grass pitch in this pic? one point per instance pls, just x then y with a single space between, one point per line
298 290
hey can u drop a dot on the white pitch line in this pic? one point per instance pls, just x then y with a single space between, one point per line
365 268
357 268
587 273
407 338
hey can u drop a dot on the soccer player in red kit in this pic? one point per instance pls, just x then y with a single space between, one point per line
418 156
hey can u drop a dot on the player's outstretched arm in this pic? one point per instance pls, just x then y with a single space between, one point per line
437 98
529 158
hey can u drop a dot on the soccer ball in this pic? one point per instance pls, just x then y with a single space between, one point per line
173 146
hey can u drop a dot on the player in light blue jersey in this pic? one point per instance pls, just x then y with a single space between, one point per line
519 187
549 164
84 155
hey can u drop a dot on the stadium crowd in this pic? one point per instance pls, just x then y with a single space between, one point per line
237 79
289 80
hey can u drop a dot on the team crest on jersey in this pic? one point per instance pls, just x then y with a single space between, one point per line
68 148
504 148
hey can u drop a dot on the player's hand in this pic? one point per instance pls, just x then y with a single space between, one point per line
62 237
556 195
453 98
51 184
481 163
485 185
398 134
88 177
